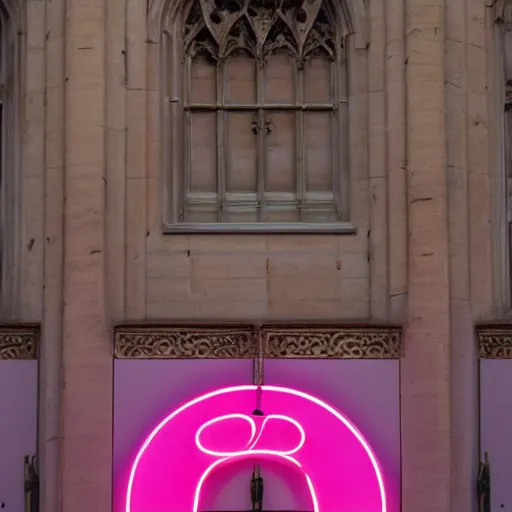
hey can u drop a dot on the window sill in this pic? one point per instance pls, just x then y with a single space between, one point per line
345 228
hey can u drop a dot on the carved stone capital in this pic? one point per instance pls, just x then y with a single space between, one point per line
495 342
336 342
19 342
242 342
184 342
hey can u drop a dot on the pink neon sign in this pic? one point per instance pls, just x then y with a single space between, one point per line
213 430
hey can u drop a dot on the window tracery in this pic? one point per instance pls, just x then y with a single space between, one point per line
258 97
221 27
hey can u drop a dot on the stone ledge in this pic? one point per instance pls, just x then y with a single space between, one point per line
494 341
19 341
248 341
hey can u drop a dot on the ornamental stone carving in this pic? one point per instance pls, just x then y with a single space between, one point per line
184 342
495 342
243 342
332 342
18 342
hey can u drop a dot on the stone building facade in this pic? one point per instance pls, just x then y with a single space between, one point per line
110 215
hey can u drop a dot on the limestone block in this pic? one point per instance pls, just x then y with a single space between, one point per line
293 289
203 310
229 289
228 244
228 267
300 266
324 244
162 265
354 265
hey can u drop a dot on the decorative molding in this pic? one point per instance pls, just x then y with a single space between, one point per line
184 342
19 342
495 342
242 342
336 342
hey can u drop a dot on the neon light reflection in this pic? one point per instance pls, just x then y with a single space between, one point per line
339 468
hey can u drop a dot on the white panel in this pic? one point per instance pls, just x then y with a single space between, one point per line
18 428
145 391
496 427
367 392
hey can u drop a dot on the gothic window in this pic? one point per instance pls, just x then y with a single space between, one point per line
9 148
507 78
258 109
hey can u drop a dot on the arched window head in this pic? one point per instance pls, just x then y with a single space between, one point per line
258 114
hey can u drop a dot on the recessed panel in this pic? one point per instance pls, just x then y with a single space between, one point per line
18 428
496 427
242 153
367 392
280 164
203 152
318 409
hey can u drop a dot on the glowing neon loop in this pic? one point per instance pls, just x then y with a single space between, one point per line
252 442
248 452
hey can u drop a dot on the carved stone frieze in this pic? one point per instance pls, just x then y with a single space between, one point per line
18 342
495 342
242 342
332 342
184 342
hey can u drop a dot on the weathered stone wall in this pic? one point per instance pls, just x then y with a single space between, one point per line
425 188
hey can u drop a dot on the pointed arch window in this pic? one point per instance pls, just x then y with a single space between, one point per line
258 115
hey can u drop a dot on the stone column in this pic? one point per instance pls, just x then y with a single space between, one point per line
425 384
50 355
87 359
463 63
